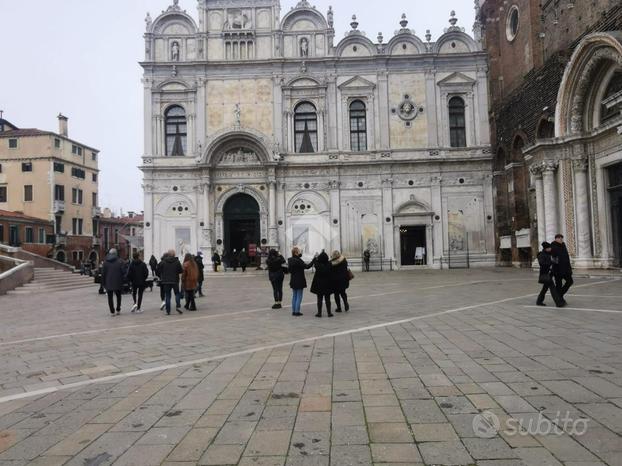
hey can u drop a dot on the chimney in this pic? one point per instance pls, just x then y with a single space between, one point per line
62 125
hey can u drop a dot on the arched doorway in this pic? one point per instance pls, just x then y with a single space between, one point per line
60 256
241 222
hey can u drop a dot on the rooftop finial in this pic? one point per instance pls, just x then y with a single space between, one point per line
354 24
380 38
404 21
329 15
428 35
453 20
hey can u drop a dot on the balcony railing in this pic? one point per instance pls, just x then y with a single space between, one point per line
96 241
96 211
61 239
59 206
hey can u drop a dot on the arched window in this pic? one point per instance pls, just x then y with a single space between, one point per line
358 126
457 124
546 129
609 106
305 128
176 132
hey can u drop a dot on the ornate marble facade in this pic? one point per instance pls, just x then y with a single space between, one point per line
337 145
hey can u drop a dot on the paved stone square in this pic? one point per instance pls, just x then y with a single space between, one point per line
428 367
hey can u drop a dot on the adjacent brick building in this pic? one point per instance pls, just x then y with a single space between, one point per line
30 233
124 233
552 63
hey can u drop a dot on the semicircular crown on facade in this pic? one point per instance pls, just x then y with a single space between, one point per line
569 158
262 129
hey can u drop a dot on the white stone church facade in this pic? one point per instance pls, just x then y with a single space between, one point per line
261 129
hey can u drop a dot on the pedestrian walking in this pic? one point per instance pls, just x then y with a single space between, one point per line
224 258
112 278
340 280
276 274
170 269
153 264
201 269
158 274
137 274
547 263
189 281
297 280
243 259
322 285
234 260
562 270
366 259
216 261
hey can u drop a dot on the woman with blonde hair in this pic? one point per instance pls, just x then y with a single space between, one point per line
340 280
297 280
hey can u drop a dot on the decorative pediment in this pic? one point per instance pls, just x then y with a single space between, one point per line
304 82
457 79
357 83
239 157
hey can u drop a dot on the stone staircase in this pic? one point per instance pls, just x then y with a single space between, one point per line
48 280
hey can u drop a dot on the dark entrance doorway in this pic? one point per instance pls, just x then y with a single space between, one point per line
241 222
615 196
411 238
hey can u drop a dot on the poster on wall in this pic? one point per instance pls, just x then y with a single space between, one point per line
301 238
465 222
183 244
370 236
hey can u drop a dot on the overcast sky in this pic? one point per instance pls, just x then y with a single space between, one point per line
80 57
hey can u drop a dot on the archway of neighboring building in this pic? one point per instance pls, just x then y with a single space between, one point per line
241 220
546 129
60 256
614 173
93 257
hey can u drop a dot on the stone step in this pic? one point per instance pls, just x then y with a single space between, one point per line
50 289
64 279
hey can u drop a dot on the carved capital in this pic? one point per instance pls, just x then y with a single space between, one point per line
536 170
580 165
549 166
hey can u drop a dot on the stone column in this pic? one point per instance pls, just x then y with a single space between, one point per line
581 198
550 198
148 219
335 214
387 213
148 109
536 171
430 106
272 228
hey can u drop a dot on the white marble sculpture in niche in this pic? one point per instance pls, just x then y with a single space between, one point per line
175 51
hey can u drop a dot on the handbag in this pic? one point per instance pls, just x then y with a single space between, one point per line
350 275
544 278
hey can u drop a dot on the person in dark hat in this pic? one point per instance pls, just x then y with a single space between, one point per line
562 269
546 261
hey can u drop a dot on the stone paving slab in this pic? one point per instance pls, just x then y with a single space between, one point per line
406 377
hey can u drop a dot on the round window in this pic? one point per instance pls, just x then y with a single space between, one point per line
512 23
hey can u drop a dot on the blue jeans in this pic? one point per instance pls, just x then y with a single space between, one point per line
296 301
169 289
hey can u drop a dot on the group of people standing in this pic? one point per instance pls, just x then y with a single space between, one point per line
332 277
234 260
555 271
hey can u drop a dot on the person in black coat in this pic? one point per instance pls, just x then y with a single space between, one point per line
562 270
112 278
243 259
137 274
169 271
276 274
233 260
199 261
322 284
546 262
297 280
340 279
153 264
216 261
